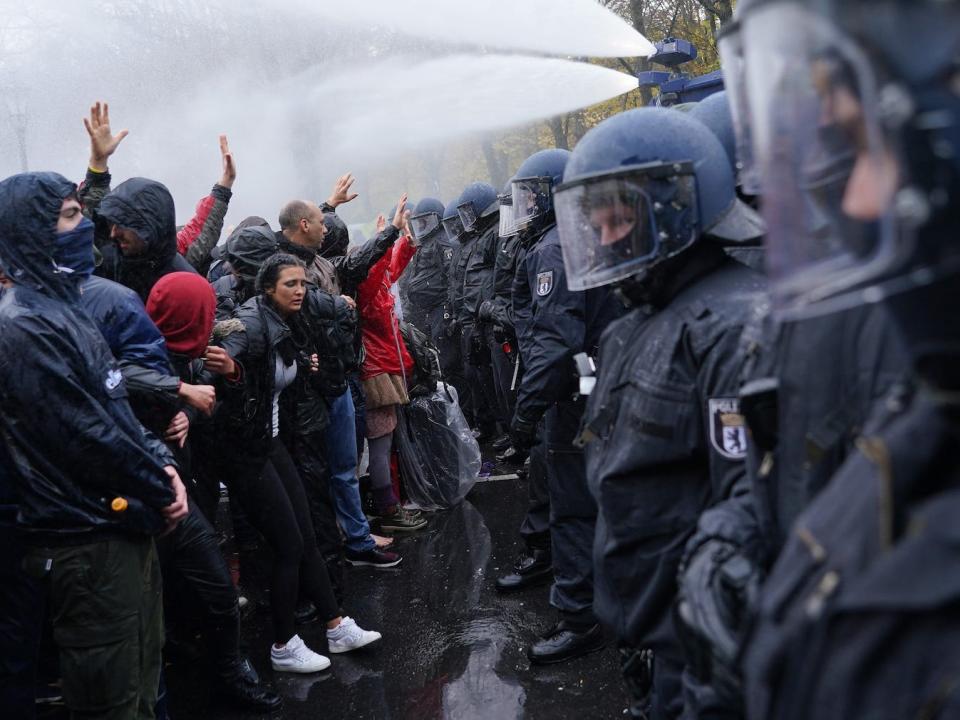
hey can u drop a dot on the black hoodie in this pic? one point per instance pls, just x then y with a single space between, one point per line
146 207
64 415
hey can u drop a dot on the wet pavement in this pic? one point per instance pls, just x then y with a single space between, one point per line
452 647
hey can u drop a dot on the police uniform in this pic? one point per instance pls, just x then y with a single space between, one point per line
562 323
666 438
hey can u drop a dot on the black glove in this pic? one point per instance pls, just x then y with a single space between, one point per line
523 433
485 311
452 329
717 591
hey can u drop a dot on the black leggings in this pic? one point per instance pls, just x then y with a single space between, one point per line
276 505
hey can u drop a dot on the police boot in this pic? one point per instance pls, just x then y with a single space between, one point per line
534 567
565 641
512 456
237 682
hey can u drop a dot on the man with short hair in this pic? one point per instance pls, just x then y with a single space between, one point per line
302 234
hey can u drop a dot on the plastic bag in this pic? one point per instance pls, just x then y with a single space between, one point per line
439 457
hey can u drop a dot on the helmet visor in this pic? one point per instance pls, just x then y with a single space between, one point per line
507 224
468 216
830 176
609 226
730 45
424 224
531 200
454 227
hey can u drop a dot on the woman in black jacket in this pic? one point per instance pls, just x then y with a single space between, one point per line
261 358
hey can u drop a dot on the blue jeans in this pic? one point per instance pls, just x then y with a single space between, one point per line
341 446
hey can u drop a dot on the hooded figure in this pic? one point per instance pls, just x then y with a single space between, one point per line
91 484
145 208
65 413
246 250
181 305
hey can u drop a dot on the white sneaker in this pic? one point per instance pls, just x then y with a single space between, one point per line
296 657
349 636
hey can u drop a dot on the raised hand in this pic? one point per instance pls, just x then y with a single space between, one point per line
381 223
341 191
103 143
229 165
401 215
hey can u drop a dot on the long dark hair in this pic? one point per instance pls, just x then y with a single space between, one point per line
270 271
267 279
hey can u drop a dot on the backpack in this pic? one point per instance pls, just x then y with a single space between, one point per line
426 361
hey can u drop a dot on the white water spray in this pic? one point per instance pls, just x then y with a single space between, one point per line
556 27
302 99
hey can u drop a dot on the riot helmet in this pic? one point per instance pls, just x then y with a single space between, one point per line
714 112
856 136
533 187
507 224
452 223
478 200
426 218
641 187
730 47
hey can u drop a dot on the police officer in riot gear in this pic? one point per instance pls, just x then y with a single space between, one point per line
714 112
803 424
479 213
423 285
859 615
644 196
560 323
497 312
453 363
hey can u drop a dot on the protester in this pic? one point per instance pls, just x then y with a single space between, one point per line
385 373
93 487
257 362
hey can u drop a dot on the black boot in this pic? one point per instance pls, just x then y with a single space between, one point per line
236 680
564 642
512 456
532 568
237 692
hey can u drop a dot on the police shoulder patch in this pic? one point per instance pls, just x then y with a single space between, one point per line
728 428
544 283
448 253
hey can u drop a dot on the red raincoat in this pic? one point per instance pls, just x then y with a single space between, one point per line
386 352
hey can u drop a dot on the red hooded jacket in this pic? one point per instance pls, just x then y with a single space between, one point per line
381 330
182 306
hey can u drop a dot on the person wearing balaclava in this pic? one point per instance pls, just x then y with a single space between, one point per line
94 487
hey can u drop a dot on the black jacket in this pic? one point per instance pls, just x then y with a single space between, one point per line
456 272
478 273
665 437
423 285
245 418
146 207
865 594
499 309
561 324
341 274
65 419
